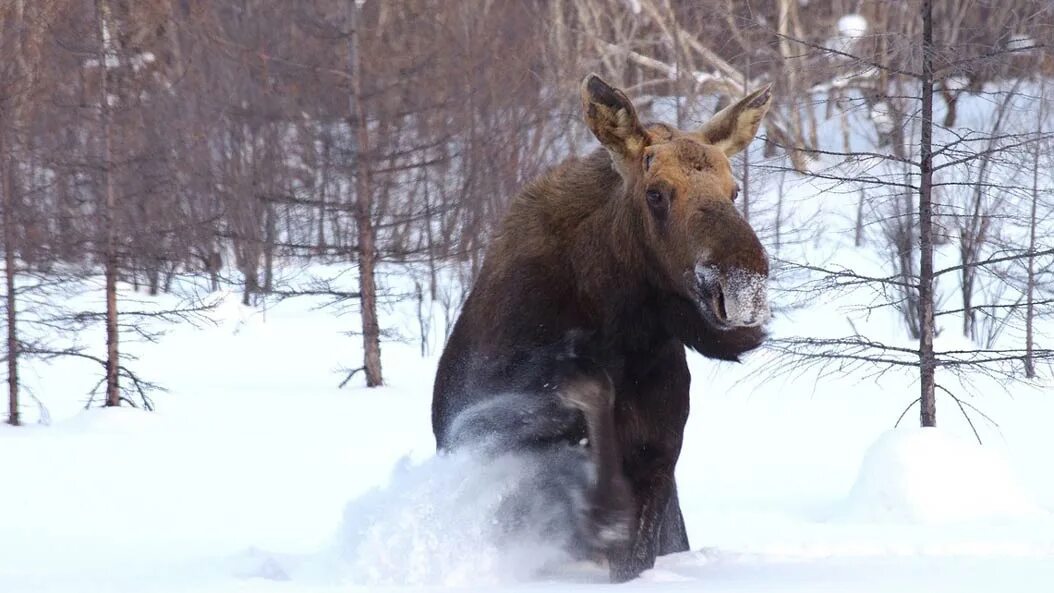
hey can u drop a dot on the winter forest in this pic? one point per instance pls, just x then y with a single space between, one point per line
237 235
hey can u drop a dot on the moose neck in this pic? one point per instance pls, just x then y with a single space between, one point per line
614 265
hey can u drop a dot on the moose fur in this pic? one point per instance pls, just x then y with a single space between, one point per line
573 338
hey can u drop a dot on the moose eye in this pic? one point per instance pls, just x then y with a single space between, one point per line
647 161
654 197
735 193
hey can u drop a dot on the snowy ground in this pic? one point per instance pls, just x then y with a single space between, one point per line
240 480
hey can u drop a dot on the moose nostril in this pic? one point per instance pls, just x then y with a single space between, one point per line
719 305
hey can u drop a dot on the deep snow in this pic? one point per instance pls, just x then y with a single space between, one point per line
257 474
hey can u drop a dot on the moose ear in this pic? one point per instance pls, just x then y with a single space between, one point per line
613 120
732 128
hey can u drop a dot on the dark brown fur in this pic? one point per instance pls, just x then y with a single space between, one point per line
583 299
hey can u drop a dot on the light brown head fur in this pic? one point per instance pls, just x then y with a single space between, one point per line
680 185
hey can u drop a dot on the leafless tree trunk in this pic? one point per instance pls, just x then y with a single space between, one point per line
270 236
858 233
927 359
8 145
9 281
778 239
323 188
1030 280
785 11
109 210
977 218
367 250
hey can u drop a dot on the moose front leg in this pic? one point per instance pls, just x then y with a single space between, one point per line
673 535
653 491
651 417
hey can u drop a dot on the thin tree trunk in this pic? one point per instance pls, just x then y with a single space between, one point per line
213 264
858 234
1030 287
7 185
430 237
901 226
113 390
779 209
153 275
367 251
786 51
9 280
270 236
927 359
324 182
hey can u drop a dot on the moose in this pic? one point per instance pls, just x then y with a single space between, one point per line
571 343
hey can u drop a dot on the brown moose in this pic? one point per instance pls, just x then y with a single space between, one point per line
571 344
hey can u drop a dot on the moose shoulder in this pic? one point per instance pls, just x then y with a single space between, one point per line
575 331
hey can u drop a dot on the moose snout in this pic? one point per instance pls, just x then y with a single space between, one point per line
743 304
737 298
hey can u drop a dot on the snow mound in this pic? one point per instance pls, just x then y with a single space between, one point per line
927 476
437 523
115 420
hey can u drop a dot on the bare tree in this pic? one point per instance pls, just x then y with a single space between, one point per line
367 249
927 328
897 86
22 39
6 179
107 57
1033 220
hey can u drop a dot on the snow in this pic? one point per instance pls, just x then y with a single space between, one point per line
435 524
956 83
142 60
257 474
883 121
852 25
925 475
1020 41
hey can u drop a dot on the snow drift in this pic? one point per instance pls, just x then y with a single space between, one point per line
927 476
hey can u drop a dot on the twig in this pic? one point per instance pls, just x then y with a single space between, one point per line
350 375
902 414
963 410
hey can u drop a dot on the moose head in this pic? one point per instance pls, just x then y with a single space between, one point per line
679 186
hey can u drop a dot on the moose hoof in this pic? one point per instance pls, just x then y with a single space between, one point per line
627 568
623 574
